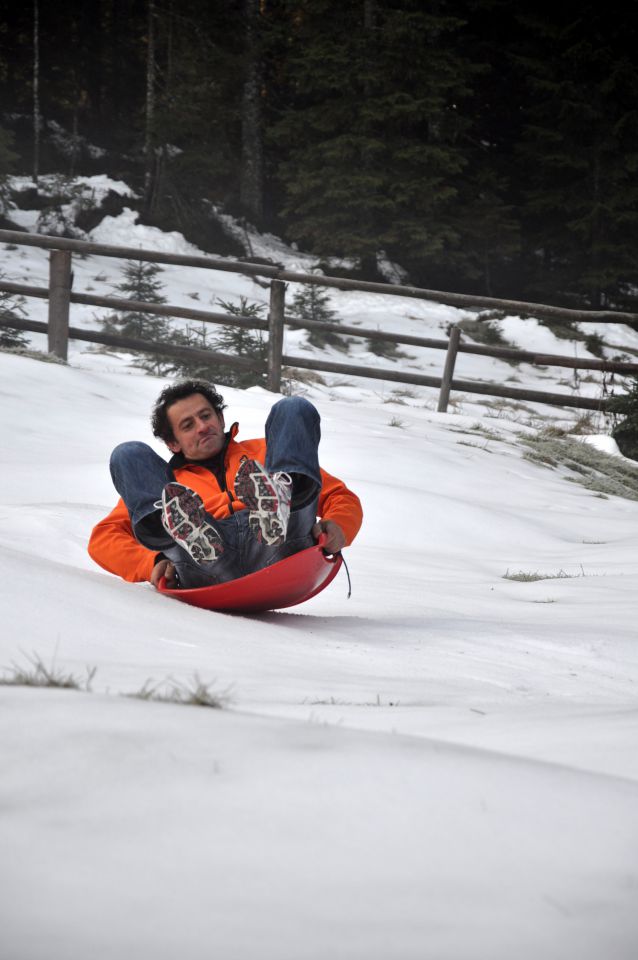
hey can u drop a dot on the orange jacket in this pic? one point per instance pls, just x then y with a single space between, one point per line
113 545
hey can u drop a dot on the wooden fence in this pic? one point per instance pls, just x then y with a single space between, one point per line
60 295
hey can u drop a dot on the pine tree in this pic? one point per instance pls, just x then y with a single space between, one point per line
485 211
10 307
625 433
7 159
232 340
37 119
196 116
310 303
371 134
140 283
200 338
242 342
486 258
579 155
251 188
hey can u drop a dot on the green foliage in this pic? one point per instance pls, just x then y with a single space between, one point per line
12 339
562 329
199 338
485 331
625 433
196 125
236 341
385 348
140 283
242 342
7 161
485 146
579 151
310 304
370 135
595 344
11 307
627 404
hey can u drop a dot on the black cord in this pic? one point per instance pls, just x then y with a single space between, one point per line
348 576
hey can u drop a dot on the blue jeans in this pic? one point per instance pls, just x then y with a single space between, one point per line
139 475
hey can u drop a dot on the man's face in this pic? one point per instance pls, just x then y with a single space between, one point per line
198 429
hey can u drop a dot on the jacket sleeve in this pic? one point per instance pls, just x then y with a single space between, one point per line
343 506
113 546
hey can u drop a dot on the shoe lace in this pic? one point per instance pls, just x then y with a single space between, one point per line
283 482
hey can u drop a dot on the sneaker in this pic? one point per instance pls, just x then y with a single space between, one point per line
267 496
185 520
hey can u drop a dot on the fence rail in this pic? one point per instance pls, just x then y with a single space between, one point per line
60 296
340 283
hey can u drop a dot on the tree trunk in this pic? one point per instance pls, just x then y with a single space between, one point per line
251 189
149 153
369 14
169 49
368 260
595 236
75 140
368 267
104 79
36 91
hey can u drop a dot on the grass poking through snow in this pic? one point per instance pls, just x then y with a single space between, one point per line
39 675
194 693
603 473
522 577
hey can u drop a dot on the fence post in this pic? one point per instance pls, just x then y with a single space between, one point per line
59 299
448 370
275 334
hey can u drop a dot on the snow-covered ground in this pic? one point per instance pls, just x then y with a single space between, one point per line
203 289
443 766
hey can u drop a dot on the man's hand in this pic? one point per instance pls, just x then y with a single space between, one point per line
164 569
335 538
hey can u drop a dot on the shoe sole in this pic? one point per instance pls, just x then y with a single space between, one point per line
255 489
184 519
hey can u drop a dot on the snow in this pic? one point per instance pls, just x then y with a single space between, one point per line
444 765
529 331
124 231
27 219
603 442
98 185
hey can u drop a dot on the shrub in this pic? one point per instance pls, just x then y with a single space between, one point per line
10 307
310 303
236 341
625 433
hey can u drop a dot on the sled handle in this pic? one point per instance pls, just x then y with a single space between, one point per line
328 557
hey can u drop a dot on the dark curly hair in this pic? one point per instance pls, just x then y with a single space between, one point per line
160 423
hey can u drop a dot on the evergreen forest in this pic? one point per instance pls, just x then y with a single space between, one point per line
486 146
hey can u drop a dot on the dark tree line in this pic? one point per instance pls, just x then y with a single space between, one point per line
481 144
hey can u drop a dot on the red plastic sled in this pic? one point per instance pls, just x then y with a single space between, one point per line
284 584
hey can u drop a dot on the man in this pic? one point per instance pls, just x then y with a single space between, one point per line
220 508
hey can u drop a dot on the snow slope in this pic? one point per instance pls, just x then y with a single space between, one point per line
204 289
444 766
